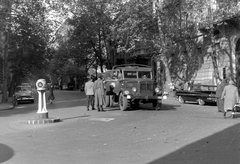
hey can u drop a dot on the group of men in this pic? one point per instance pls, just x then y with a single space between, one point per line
95 93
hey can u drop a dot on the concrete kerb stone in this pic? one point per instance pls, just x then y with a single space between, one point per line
43 121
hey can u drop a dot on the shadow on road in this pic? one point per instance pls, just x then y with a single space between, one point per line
220 148
6 153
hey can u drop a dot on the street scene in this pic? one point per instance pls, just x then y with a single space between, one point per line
119 81
178 133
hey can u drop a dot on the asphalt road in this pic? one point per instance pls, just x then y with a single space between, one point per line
177 134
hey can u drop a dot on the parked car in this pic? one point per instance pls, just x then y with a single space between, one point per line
64 87
24 94
26 84
71 86
56 86
130 85
201 94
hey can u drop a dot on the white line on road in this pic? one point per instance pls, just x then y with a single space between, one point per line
102 119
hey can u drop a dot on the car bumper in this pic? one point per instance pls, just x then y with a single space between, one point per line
25 98
144 97
211 99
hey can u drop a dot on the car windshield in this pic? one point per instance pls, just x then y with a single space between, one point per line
144 74
23 88
130 74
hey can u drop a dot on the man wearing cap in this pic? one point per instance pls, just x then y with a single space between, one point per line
98 93
230 96
89 93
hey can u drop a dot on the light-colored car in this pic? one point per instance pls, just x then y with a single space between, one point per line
64 87
26 84
24 94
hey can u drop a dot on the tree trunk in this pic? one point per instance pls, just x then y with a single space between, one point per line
5 50
167 72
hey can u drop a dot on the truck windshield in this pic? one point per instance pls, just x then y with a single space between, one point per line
144 75
130 74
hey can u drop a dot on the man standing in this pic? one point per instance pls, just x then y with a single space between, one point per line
99 93
89 93
230 96
51 96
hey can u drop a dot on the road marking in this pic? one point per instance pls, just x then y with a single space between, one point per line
102 119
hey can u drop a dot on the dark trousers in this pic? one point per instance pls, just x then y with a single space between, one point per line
90 101
220 105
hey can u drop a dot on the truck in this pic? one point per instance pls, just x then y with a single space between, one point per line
130 85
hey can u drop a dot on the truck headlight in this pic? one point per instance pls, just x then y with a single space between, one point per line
113 85
126 92
134 89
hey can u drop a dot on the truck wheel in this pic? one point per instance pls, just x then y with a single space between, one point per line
107 97
201 102
123 102
181 100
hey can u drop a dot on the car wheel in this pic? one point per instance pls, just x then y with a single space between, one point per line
123 102
107 97
181 100
201 102
15 102
32 101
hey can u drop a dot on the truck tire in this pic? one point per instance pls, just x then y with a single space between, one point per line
123 102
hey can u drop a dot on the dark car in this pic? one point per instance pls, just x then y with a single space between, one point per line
24 94
201 94
70 86
131 85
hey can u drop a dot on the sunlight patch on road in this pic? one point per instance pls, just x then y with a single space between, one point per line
20 106
102 119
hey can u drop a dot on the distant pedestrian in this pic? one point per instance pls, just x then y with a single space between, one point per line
51 96
230 96
60 83
89 93
99 93
220 102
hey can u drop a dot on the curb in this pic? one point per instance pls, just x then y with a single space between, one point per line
6 106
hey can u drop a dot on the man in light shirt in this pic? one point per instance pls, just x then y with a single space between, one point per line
89 93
